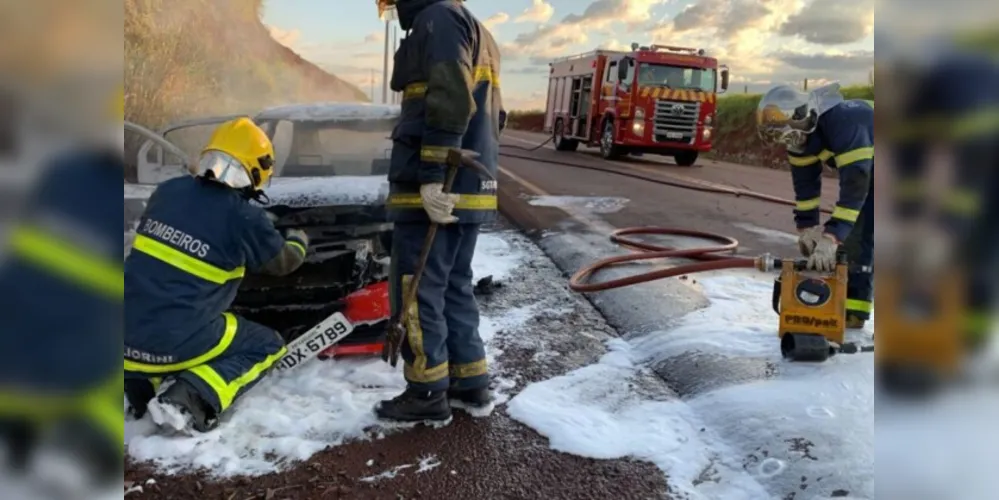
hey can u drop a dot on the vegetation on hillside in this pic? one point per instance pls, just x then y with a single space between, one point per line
187 58
736 138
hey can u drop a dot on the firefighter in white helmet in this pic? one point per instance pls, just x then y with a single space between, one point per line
822 127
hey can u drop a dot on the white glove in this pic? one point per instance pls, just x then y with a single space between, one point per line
823 253
297 235
439 204
808 239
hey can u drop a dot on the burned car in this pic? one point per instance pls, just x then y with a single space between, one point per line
330 180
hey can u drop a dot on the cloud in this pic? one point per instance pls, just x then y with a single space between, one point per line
602 12
832 23
287 38
540 11
496 19
861 60
378 36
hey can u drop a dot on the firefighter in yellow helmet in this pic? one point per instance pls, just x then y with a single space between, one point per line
60 419
187 359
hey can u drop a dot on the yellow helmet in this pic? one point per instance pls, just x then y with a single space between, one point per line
239 155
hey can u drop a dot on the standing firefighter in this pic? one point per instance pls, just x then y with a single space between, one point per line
195 241
448 71
820 127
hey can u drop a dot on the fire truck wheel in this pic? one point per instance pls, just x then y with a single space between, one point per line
561 143
686 158
608 149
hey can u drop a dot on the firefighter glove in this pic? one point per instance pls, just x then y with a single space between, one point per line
439 204
808 239
297 236
823 255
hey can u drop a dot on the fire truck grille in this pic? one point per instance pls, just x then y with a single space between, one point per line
676 121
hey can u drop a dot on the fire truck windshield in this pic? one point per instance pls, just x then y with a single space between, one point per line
676 77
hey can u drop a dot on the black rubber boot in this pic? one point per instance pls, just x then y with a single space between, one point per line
139 393
183 396
17 440
855 323
415 406
476 402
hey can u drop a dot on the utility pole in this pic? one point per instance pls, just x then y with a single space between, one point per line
395 48
385 62
372 85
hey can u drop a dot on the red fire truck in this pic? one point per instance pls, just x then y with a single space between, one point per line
653 100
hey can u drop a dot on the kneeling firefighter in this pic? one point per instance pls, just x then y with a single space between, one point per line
195 241
823 127
448 71
60 324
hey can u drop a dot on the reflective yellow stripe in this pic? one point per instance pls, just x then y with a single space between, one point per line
480 74
825 155
417 370
978 324
963 202
469 370
298 246
434 154
226 341
859 306
414 91
465 201
227 391
809 204
909 188
851 157
108 416
486 74
803 161
846 214
982 122
68 261
184 262
14 401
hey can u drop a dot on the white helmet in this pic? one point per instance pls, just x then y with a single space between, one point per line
786 116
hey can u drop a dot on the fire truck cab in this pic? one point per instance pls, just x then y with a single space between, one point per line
653 100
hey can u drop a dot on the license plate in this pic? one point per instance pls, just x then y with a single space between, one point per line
674 135
321 337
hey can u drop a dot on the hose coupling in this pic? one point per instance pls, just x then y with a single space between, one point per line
765 263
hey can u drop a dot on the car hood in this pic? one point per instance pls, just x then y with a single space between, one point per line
307 192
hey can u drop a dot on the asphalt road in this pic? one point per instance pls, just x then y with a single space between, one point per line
570 211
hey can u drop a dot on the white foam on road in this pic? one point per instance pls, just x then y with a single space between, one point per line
291 416
706 444
591 204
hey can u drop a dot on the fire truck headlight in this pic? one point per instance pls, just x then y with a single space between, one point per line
707 134
638 124
709 120
638 127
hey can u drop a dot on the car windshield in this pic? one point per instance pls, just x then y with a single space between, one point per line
319 149
676 77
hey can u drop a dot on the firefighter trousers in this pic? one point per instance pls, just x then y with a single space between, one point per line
222 374
860 252
442 348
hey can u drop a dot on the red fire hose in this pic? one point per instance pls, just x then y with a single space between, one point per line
712 260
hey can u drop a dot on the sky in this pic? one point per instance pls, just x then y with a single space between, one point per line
763 42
